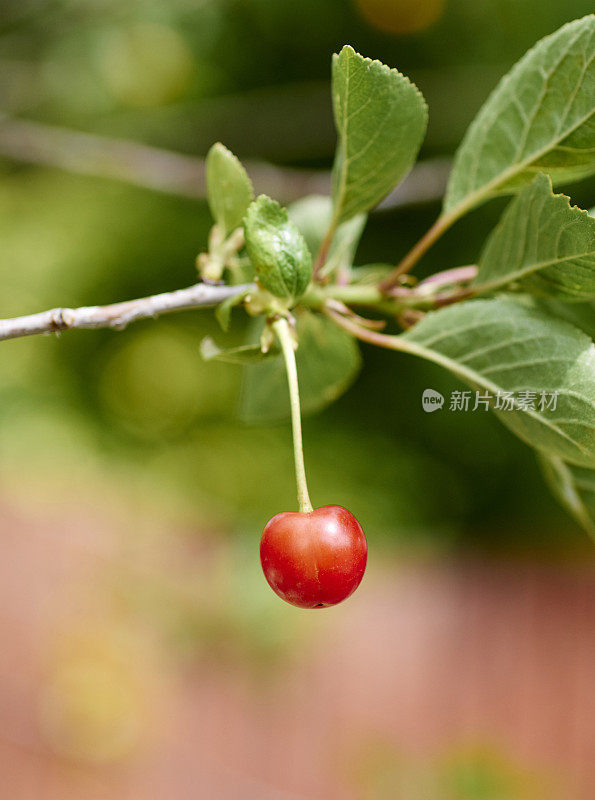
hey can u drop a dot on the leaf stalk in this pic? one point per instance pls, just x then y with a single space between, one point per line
442 224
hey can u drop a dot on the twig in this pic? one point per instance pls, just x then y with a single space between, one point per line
140 164
118 315
172 173
178 174
452 276
365 334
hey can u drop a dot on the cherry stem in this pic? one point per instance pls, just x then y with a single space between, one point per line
286 340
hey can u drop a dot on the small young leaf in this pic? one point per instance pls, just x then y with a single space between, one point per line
543 245
574 487
245 354
313 216
538 118
381 119
277 250
499 346
328 362
229 188
224 309
371 274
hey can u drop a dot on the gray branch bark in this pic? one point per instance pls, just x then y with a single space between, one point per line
117 315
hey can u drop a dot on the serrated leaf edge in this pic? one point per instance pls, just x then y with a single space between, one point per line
351 52
487 190
519 274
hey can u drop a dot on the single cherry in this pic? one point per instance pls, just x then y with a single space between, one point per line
314 559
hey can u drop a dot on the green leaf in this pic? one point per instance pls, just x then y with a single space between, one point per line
277 250
229 189
313 217
581 315
574 487
328 362
245 354
224 309
381 119
499 346
542 245
538 119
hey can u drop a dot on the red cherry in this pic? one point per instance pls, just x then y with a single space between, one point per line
314 559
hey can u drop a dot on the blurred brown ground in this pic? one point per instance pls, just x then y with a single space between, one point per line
423 657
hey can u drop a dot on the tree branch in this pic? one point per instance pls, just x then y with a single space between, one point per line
183 175
173 173
117 315
140 164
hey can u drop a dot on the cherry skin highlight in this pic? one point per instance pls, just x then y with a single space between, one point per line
314 559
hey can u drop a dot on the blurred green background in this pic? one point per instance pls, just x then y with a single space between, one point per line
134 428
140 404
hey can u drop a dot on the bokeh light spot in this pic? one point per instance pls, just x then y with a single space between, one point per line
401 16
146 65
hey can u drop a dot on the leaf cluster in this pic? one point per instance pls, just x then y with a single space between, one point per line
520 323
